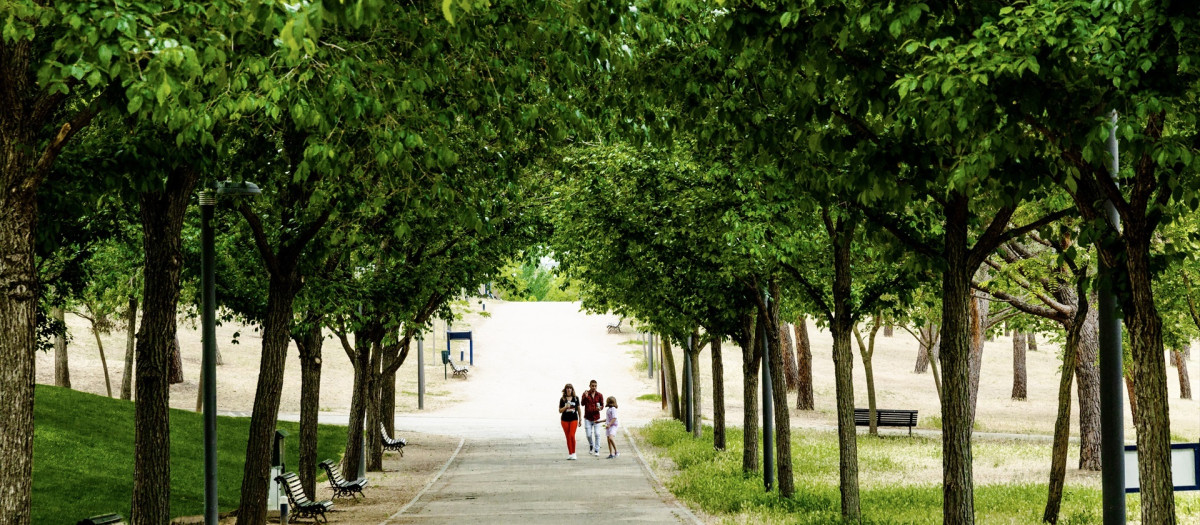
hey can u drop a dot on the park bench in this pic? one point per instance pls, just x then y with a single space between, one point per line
338 482
457 370
103 519
302 507
615 328
886 418
392 444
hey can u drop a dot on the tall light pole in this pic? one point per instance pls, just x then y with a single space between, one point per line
208 320
1112 409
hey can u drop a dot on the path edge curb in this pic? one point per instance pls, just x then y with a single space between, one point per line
657 483
424 489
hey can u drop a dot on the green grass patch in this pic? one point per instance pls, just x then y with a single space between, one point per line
649 397
83 456
714 481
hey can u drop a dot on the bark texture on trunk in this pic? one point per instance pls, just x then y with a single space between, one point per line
18 317
309 345
1031 341
1062 423
103 361
176 373
1019 375
927 345
791 369
750 364
277 329
718 373
979 317
387 398
804 387
361 358
130 338
162 216
1150 382
889 330
672 380
958 493
694 362
783 433
866 350
1087 372
1185 384
62 372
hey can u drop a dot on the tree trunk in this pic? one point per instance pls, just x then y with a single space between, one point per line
103 361
927 335
18 304
309 345
783 431
176 372
958 492
1150 381
804 386
1062 423
843 356
62 373
130 330
387 398
162 216
1019 376
1031 341
791 370
1087 372
374 417
1185 385
694 362
277 329
750 364
669 372
718 373
889 330
979 317
1133 408
352 454
866 350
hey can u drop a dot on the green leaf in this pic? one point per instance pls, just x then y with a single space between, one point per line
446 12
135 104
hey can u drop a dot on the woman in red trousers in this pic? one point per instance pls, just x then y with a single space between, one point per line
568 406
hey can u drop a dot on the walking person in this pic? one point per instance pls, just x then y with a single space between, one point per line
610 421
593 402
568 406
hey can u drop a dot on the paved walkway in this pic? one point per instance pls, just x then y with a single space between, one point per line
512 466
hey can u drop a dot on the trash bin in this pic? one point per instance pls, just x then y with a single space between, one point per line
277 451
445 357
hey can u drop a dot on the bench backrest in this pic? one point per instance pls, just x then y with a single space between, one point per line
886 417
105 519
335 473
386 438
294 489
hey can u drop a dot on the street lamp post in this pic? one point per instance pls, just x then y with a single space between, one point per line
208 367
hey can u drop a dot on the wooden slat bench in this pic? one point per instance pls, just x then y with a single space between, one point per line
886 418
458 370
338 482
392 444
302 507
104 519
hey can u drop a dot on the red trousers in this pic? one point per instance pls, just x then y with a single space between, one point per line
569 428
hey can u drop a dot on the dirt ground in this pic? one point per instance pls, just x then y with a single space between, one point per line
896 384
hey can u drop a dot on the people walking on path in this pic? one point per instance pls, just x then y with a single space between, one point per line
610 421
568 406
593 401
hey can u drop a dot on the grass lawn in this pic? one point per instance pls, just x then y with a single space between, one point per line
83 456
897 482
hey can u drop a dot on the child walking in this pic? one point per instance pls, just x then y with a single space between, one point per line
610 416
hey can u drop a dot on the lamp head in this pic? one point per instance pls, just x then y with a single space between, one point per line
234 189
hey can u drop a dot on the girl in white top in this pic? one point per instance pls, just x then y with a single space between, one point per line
610 416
